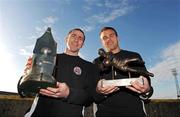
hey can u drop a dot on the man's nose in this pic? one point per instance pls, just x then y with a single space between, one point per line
108 38
76 39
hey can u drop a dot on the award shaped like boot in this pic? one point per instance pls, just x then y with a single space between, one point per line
109 60
40 76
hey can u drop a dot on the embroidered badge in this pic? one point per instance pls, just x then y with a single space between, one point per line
77 70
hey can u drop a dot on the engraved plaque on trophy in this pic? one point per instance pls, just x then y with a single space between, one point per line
121 82
43 62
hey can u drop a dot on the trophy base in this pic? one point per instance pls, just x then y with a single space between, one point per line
29 87
121 82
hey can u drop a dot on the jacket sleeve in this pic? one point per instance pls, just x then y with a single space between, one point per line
147 95
97 96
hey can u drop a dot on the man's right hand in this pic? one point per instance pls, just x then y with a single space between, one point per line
105 89
28 66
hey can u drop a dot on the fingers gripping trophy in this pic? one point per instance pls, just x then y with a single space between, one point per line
43 62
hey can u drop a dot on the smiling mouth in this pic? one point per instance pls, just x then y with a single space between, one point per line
109 44
74 43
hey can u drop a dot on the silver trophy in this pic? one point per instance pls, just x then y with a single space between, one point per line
40 76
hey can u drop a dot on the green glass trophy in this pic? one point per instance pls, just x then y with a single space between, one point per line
43 62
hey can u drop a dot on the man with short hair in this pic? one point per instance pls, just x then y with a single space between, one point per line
114 101
74 83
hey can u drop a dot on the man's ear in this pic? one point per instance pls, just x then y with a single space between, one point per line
118 38
82 45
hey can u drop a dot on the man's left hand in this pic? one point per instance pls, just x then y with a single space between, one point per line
62 91
138 87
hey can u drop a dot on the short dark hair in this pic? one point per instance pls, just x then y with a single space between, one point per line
78 30
108 28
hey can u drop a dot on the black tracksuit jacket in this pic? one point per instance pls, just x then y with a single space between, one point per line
77 74
123 103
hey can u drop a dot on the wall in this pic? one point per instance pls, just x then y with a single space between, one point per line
163 108
14 106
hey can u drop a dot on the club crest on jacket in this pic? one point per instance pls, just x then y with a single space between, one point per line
77 70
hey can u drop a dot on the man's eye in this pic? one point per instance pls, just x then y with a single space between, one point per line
73 35
112 35
80 38
105 38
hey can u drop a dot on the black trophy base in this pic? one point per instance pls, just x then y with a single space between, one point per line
31 87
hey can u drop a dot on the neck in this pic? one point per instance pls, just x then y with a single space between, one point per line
116 50
72 53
